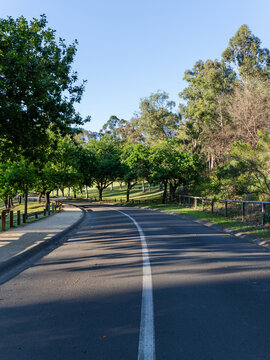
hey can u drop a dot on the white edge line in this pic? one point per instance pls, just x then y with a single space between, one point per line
146 349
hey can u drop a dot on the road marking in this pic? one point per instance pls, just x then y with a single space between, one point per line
147 333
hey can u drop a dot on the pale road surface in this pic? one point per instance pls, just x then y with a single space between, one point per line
211 293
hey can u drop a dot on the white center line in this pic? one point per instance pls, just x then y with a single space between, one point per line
147 333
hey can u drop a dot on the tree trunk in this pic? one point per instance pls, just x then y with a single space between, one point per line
128 190
63 191
86 192
170 191
68 194
149 187
75 194
111 188
164 196
6 203
100 193
173 188
26 201
120 184
9 201
47 194
57 191
19 199
143 186
39 197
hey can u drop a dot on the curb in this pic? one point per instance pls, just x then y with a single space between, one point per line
244 236
27 254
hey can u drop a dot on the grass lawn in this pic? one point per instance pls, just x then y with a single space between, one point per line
153 200
32 207
118 194
260 231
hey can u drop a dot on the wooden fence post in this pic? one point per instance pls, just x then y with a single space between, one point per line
24 218
243 211
202 204
212 206
18 217
3 221
263 213
11 219
226 208
195 203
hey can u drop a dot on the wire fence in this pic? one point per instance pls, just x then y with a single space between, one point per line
257 212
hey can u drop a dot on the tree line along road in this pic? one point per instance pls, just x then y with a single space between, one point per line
139 284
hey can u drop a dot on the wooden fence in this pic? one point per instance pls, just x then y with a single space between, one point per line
12 218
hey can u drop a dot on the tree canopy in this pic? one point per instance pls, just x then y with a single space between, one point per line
38 88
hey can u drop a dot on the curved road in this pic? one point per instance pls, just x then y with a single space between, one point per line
211 294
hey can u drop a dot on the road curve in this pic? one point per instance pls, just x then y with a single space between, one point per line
211 293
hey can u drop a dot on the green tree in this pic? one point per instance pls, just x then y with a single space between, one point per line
18 176
108 163
173 167
205 119
156 119
114 128
136 164
38 88
247 170
245 52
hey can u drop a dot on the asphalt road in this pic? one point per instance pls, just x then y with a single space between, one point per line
211 293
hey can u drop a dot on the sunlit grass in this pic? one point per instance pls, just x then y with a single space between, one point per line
251 229
117 193
32 207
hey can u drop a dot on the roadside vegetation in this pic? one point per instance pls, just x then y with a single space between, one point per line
216 143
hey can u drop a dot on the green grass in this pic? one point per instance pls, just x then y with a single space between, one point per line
153 200
117 193
32 207
259 231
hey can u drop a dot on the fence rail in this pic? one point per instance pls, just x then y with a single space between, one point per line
257 212
10 217
253 211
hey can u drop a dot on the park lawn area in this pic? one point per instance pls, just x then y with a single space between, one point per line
32 207
120 194
259 231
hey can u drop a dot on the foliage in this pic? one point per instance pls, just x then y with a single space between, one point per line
37 86
157 121
108 163
135 164
245 52
16 177
204 111
247 170
169 164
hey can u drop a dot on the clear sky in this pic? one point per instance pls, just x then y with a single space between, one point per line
129 49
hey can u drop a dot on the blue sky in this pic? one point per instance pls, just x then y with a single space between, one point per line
130 49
